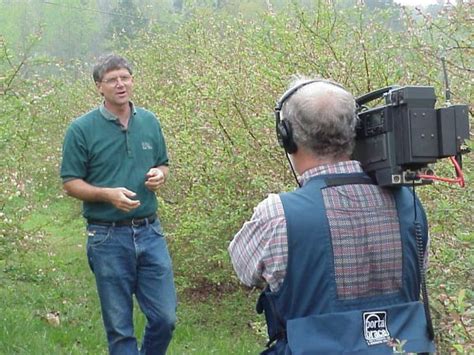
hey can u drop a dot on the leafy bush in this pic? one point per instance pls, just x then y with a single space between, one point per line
213 83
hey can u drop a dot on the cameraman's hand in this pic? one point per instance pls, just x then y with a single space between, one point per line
121 198
154 179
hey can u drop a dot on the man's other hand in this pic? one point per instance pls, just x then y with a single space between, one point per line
154 179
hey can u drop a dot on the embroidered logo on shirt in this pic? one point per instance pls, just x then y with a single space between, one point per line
375 327
146 146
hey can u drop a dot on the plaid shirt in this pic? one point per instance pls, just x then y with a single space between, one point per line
259 251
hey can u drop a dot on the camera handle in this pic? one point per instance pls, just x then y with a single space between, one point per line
361 100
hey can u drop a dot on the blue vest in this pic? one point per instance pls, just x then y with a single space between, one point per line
305 315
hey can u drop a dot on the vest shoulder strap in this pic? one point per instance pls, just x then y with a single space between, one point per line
347 180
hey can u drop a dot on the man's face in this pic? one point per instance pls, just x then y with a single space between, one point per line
116 87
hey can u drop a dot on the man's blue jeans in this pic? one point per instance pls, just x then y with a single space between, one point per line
129 260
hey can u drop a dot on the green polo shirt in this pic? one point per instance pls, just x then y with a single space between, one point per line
99 150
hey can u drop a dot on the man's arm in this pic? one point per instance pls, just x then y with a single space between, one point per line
259 251
120 197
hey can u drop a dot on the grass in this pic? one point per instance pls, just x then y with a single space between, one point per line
48 274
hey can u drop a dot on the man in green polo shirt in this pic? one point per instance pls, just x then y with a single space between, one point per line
115 160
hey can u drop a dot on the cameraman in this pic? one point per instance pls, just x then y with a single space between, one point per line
338 256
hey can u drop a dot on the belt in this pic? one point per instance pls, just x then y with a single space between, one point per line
132 222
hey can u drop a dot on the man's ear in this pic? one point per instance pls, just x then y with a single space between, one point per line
98 85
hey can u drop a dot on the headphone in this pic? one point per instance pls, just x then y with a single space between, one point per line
284 131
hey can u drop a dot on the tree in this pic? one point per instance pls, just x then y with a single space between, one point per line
126 20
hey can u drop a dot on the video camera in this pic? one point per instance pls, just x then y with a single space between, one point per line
396 142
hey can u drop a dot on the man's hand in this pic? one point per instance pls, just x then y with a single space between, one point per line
121 198
154 179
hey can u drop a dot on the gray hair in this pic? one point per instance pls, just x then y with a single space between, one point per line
323 117
108 63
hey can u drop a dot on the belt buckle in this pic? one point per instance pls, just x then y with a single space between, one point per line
136 224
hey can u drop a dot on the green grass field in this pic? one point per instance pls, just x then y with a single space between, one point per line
48 275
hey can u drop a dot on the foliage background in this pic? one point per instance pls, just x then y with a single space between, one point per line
212 72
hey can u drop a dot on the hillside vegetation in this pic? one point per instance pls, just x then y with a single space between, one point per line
213 81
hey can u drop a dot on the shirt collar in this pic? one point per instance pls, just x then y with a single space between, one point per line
343 167
109 116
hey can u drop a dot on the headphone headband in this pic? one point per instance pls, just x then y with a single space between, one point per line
283 127
294 89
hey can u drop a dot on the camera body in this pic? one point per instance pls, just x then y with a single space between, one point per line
396 142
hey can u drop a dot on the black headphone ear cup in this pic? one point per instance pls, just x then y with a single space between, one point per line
285 137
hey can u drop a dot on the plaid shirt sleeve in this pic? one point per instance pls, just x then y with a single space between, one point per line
259 251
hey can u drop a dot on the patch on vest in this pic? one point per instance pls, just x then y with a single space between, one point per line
375 327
